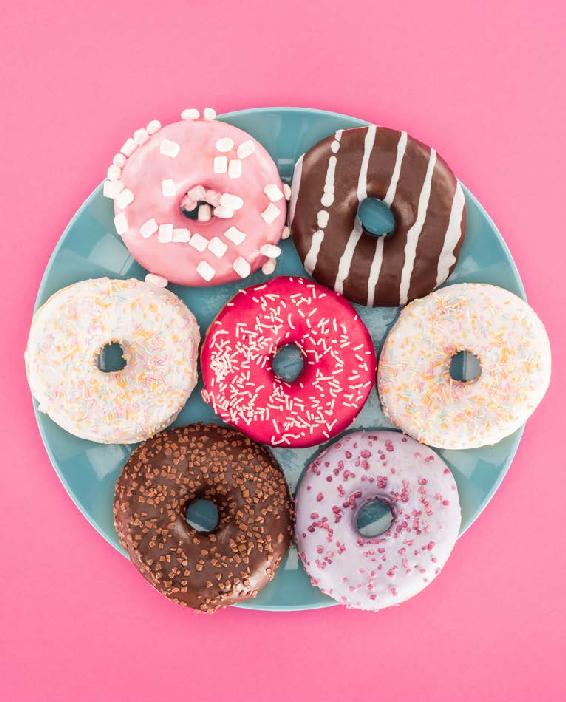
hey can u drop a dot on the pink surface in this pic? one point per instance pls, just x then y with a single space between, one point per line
484 83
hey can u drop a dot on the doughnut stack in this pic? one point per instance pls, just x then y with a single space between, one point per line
201 203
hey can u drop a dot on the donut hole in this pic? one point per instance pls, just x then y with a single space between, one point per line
376 217
288 362
202 515
465 367
374 518
110 358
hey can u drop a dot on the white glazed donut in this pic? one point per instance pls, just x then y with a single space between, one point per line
503 332
376 572
159 337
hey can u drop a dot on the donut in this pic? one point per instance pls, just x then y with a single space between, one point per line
375 572
203 570
240 345
159 337
198 202
335 176
416 389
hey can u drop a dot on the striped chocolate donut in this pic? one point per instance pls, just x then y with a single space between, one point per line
427 201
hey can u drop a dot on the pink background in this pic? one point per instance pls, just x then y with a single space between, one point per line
484 83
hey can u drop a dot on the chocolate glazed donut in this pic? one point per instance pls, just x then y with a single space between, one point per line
233 562
336 175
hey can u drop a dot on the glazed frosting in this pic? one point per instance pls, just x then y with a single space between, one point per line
376 572
503 332
218 172
335 176
159 337
338 363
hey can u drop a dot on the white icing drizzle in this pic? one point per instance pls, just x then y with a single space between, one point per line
355 234
392 189
295 187
312 256
375 269
415 231
452 236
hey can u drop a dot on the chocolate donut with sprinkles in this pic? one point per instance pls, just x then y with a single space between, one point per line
237 363
201 570
331 181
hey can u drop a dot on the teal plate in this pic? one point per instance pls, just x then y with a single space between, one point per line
90 248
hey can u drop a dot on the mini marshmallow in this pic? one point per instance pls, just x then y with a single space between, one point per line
209 113
220 164
234 235
273 192
212 197
190 113
121 223
181 235
129 147
154 126
217 247
157 280
141 136
204 213
206 271
223 212
270 251
112 188
269 267
114 172
235 168
168 187
232 202
286 233
169 148
125 198
149 228
271 213
287 191
224 144
246 148
119 160
188 204
198 242
197 193
242 267
165 234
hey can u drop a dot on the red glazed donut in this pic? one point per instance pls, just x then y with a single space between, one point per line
338 363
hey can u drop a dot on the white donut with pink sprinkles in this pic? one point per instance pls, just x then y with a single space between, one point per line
375 572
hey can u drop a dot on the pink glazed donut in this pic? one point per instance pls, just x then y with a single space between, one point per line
338 363
198 202
376 572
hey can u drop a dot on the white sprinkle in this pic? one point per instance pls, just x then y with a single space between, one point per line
234 235
154 126
148 228
181 235
235 168
119 160
169 148
223 212
197 193
141 136
168 187
204 213
114 172
242 267
270 251
268 267
206 271
224 144
198 242
217 247
125 198
273 192
209 113
165 234
322 217
287 191
157 280
246 148
121 223
190 113
271 213
112 188
129 147
286 233
232 202
220 164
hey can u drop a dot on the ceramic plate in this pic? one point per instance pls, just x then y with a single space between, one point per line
90 248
